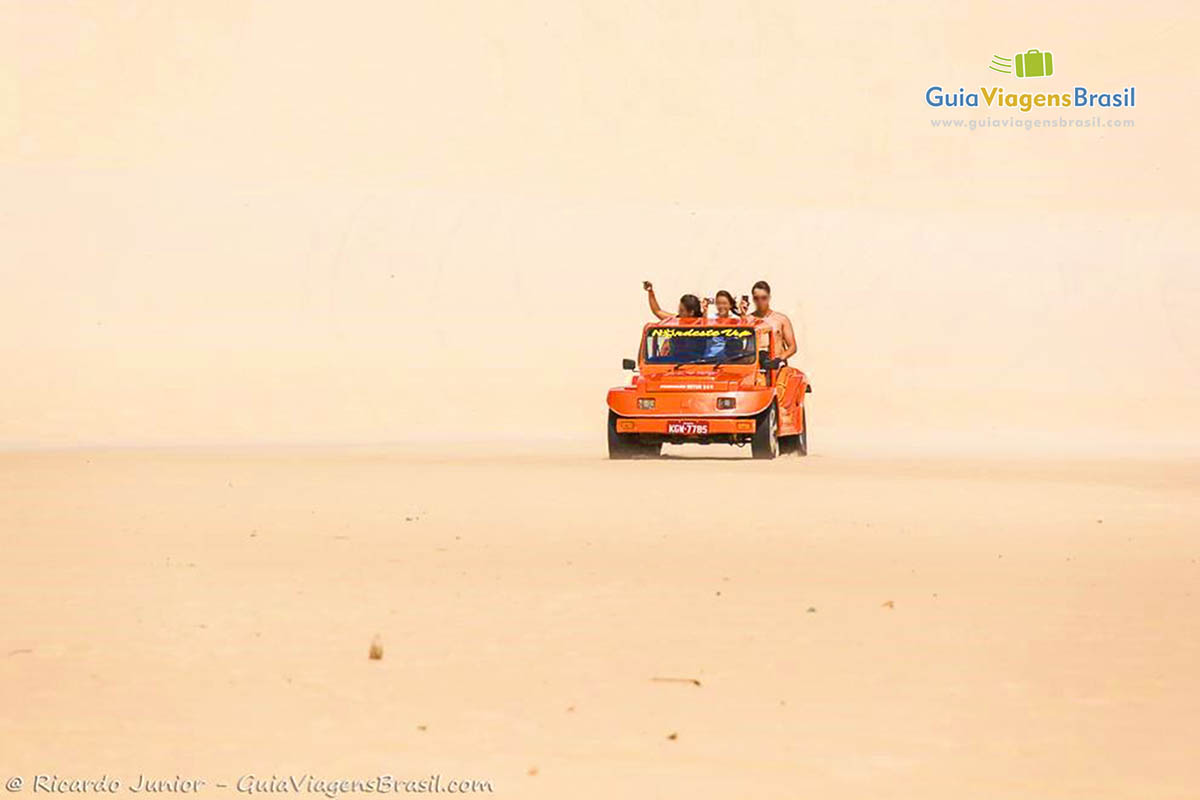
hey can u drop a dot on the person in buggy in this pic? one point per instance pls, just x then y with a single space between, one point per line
689 305
720 306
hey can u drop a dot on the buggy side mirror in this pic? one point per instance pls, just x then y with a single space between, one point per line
628 363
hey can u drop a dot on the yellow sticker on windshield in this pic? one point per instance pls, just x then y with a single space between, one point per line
707 333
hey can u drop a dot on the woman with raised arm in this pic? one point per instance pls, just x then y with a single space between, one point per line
689 305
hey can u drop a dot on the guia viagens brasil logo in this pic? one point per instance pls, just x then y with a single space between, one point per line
1029 64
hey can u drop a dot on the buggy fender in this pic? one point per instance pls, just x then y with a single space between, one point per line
794 384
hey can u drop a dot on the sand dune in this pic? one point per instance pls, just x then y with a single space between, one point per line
216 232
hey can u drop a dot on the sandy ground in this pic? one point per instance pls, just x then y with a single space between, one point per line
932 628
249 222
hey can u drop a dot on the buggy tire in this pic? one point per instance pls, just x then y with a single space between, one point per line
765 443
618 448
626 447
797 443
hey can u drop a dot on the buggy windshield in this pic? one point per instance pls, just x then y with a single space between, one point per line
707 345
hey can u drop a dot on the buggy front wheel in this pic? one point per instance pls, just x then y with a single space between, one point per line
628 446
765 443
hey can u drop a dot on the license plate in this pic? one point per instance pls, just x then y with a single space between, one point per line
687 428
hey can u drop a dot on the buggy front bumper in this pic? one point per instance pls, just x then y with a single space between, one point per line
659 425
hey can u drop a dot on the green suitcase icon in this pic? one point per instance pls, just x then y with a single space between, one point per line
1034 64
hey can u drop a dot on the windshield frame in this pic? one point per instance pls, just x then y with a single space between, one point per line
700 332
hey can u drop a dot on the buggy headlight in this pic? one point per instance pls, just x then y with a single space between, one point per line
645 403
726 402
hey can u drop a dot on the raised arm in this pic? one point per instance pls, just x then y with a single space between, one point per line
655 309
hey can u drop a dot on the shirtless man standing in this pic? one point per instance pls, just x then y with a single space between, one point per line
779 323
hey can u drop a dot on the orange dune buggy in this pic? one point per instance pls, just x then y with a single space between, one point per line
707 381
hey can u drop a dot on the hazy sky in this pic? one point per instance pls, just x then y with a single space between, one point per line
287 221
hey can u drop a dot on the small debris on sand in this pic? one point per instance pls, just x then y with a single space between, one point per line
673 736
811 610
376 651
692 681
889 604
422 728
532 771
